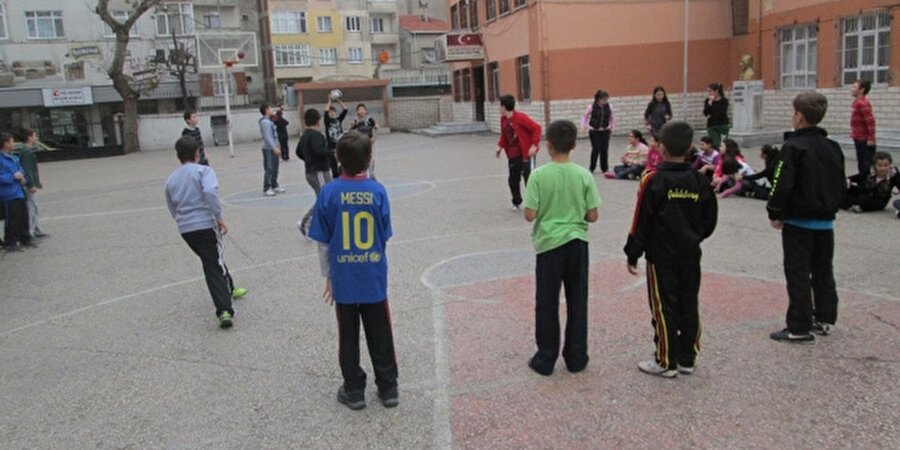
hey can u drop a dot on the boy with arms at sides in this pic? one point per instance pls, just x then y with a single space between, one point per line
365 124
192 195
561 200
862 125
352 223
808 188
25 152
12 197
271 152
314 151
675 211
519 138
191 129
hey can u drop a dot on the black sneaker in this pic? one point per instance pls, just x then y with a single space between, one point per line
785 335
354 400
537 367
821 328
14 247
389 397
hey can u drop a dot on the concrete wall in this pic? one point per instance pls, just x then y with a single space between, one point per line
414 112
162 130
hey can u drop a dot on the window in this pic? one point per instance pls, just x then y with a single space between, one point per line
524 78
519 3
355 55
219 84
866 47
291 55
323 24
473 13
44 24
457 85
493 81
121 17
491 8
740 17
504 7
3 33
463 17
454 17
212 20
288 22
175 17
377 24
327 56
351 24
799 57
466 85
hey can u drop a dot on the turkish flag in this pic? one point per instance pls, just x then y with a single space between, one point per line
463 39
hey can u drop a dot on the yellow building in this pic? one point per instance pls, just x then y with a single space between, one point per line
331 40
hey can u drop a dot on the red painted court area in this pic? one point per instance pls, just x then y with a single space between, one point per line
743 391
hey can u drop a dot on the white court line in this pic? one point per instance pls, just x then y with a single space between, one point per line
101 214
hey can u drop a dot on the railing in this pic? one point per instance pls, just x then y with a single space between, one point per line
424 77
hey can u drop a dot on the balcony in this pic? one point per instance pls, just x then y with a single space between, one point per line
382 7
385 38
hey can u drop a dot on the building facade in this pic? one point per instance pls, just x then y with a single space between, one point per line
55 55
333 40
554 54
421 73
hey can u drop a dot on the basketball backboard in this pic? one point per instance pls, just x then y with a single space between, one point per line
213 49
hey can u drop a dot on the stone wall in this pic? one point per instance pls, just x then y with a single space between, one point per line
777 109
409 113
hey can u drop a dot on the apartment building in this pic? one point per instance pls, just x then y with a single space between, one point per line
333 40
554 54
54 56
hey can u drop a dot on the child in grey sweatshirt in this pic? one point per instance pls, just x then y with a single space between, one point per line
192 195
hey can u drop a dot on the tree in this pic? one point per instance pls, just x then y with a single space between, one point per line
116 72
183 62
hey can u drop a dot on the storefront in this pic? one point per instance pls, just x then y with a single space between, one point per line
80 121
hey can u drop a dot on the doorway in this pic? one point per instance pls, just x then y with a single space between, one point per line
478 81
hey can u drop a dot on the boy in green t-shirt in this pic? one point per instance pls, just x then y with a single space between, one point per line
561 198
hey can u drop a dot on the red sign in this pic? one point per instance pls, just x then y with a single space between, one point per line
459 47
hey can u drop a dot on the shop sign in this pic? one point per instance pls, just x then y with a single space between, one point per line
459 47
67 96
78 52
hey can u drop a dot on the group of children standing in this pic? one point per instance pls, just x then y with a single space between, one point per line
352 259
19 182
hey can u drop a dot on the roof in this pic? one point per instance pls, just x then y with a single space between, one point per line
414 24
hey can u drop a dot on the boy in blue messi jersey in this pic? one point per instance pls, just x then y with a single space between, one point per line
352 224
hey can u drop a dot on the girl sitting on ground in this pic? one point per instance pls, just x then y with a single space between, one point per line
633 159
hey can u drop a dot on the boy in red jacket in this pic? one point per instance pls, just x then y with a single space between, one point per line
862 125
519 137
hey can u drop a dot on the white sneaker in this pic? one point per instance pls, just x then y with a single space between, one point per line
516 208
685 370
280 190
653 368
269 193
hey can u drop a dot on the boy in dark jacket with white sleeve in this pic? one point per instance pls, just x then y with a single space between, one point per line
808 189
676 210
313 150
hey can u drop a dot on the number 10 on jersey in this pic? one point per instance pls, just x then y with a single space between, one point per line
360 219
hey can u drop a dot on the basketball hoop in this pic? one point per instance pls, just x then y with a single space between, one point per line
229 63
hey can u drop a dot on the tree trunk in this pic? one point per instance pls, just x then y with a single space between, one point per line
131 142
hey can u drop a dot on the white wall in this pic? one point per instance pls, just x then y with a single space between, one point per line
159 132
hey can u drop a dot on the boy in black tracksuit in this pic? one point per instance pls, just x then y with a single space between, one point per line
313 150
675 211
809 187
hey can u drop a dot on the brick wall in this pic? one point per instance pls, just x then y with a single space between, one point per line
777 109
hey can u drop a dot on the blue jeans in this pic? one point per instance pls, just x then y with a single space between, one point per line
270 169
